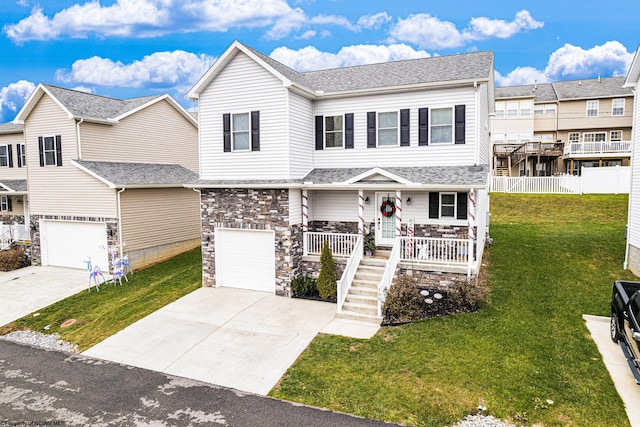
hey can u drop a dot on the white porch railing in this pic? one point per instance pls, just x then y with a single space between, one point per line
341 244
344 284
435 250
389 272
10 233
561 184
601 147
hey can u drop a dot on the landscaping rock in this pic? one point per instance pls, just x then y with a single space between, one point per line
38 339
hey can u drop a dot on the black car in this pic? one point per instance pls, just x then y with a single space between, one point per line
625 322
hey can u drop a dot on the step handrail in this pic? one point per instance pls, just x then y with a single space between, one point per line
344 284
389 272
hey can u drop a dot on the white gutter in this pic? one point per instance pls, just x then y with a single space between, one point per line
477 108
78 122
340 186
120 242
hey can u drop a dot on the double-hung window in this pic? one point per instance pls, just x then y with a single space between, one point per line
592 108
388 128
4 155
525 108
499 109
441 125
538 109
22 156
333 131
241 132
550 109
448 205
594 136
4 203
512 109
49 150
617 107
616 136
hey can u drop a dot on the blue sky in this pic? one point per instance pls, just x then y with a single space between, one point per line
129 48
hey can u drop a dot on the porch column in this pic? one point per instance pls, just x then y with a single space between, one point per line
361 213
398 213
471 222
305 213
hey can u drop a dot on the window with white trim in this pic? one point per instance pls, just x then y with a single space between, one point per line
512 109
574 137
241 132
525 108
388 128
4 203
594 136
499 109
447 205
4 156
617 107
550 109
333 131
538 109
525 137
22 156
49 151
592 108
441 128
616 136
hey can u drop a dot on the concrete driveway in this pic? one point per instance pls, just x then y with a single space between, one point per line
617 365
29 289
235 338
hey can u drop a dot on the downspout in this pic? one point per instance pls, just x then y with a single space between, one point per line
477 136
120 242
78 138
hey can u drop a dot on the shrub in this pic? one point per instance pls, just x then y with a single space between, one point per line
403 302
12 259
304 286
326 282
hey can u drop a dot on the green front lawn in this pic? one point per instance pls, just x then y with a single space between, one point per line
554 258
101 314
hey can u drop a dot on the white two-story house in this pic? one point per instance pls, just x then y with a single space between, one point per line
290 159
632 255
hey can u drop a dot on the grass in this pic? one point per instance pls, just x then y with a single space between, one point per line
101 314
554 258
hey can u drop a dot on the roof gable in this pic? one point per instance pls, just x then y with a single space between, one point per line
377 175
633 76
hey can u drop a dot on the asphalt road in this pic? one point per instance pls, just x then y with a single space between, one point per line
41 387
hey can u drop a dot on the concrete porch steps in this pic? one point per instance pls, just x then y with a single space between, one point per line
361 302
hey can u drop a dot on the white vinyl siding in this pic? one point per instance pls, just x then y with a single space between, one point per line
634 198
155 217
301 142
155 134
63 190
414 155
295 206
245 86
482 114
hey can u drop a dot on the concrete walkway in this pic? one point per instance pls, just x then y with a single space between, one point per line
29 289
617 365
235 338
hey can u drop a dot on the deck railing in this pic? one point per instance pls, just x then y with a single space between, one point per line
344 284
561 184
341 244
10 233
389 272
601 147
435 250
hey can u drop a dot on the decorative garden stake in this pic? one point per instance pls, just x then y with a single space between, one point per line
94 273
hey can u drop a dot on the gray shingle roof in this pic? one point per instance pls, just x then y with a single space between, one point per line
123 174
543 92
19 185
592 88
88 105
11 128
467 66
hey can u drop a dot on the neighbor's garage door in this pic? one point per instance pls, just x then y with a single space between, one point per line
69 243
245 259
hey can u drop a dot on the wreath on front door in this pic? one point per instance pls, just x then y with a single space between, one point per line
388 208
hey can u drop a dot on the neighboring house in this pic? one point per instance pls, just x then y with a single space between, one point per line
545 129
107 175
13 175
291 159
632 256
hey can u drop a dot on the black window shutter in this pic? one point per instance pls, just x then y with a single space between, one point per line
10 155
348 130
19 150
434 204
404 128
226 132
423 126
319 132
41 148
255 131
58 150
461 207
460 124
371 129
9 207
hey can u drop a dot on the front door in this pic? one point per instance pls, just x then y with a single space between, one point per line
385 219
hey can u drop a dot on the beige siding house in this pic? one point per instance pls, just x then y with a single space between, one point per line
397 151
13 175
106 176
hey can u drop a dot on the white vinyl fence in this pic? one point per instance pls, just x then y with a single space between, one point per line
605 180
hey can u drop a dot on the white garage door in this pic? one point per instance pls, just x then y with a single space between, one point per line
69 243
245 259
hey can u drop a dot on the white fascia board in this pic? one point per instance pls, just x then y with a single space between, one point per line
33 100
633 76
342 186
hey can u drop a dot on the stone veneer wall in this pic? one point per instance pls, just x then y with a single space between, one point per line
260 209
11 219
35 250
333 227
440 279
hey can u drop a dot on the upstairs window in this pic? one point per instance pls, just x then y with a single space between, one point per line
240 132
5 156
616 135
592 108
550 109
525 108
388 128
50 150
333 131
617 107
538 109
441 125
499 110
22 156
512 109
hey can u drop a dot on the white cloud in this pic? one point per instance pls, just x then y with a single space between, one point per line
220 15
287 24
161 69
485 28
373 21
310 58
13 96
429 32
573 62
